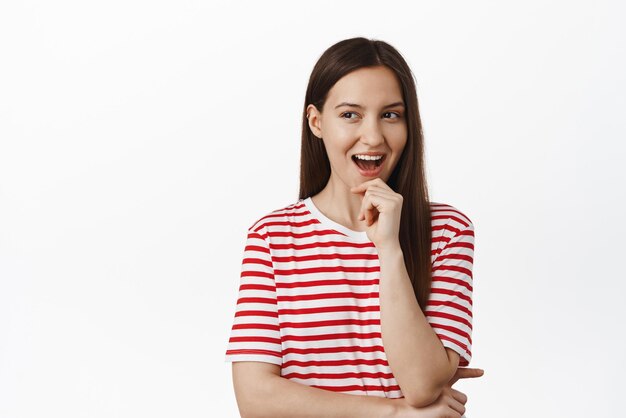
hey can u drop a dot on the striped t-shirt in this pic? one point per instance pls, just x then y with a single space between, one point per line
308 298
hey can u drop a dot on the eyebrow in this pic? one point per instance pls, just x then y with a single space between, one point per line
361 107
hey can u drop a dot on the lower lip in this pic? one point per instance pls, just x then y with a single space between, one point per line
370 173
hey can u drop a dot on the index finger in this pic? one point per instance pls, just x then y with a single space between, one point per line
364 185
465 372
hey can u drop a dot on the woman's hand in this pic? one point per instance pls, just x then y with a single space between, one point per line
465 372
450 404
381 209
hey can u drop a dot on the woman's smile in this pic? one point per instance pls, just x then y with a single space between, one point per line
369 165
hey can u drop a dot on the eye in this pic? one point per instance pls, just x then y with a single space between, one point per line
347 113
398 116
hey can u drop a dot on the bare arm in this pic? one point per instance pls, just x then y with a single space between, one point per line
261 392
419 361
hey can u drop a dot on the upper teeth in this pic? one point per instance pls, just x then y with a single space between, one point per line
368 157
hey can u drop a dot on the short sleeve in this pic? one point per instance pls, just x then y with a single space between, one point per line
449 308
255 334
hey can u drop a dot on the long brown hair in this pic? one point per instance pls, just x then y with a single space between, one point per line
408 177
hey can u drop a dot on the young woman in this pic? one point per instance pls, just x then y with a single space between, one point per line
356 300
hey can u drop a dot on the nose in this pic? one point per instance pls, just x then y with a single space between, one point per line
371 132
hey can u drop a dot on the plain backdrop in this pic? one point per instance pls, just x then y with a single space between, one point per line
140 139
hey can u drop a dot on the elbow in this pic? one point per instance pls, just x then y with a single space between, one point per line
252 406
423 396
250 409
246 408
252 401
429 391
254 383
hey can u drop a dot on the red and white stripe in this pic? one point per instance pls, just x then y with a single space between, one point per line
308 299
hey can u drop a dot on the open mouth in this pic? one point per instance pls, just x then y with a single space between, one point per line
368 165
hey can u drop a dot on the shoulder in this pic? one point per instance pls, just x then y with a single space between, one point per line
282 215
449 216
451 228
449 223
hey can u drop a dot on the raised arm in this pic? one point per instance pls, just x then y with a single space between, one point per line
423 353
261 392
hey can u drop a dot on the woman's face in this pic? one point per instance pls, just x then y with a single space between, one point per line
363 113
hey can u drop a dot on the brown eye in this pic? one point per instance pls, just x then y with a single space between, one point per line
347 113
393 113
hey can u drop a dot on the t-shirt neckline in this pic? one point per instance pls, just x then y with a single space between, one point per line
360 235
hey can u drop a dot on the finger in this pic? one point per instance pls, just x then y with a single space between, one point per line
371 211
381 191
465 372
462 372
370 206
470 372
456 405
360 188
363 186
363 212
458 395
386 193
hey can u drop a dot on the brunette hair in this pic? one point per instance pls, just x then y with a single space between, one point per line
408 177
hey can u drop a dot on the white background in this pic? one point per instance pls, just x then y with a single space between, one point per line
140 139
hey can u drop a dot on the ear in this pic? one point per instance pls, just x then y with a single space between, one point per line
314 118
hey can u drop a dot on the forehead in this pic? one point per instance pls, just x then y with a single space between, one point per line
370 87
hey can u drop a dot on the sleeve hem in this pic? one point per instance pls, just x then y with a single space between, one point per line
265 358
465 355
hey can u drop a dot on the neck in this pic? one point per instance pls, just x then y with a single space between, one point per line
338 203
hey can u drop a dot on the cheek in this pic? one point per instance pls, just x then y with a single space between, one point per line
340 128
400 137
338 150
400 130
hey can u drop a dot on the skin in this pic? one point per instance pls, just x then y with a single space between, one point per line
369 204
370 207
348 130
